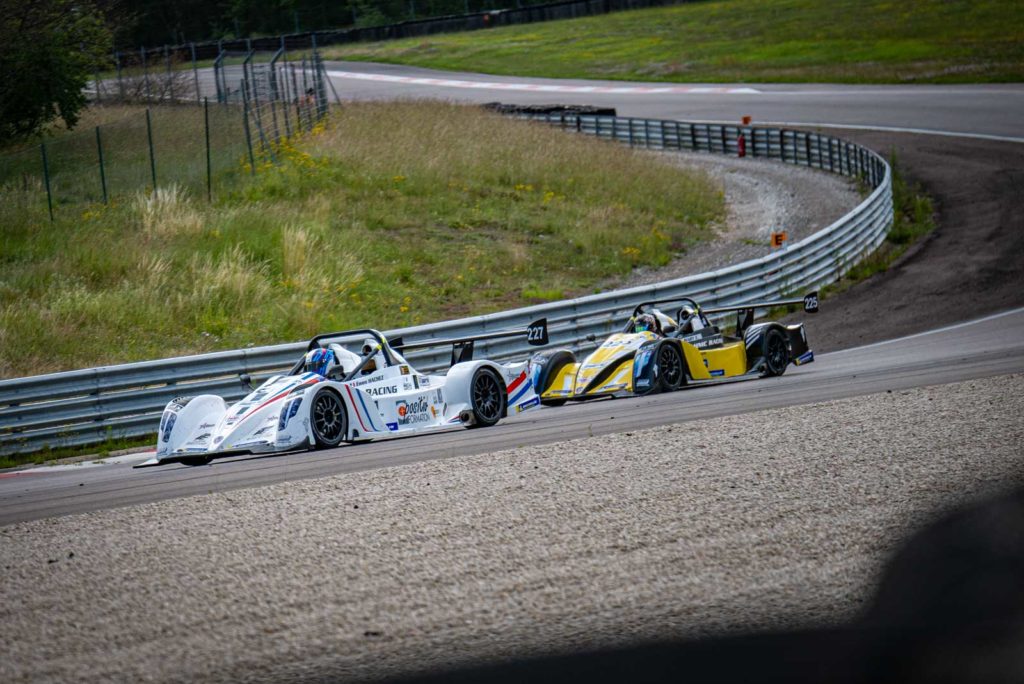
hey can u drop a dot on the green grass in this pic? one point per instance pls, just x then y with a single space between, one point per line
843 41
110 447
914 217
396 214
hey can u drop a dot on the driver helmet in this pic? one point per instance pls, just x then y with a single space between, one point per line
321 361
646 323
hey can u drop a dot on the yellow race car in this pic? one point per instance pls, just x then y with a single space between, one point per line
658 353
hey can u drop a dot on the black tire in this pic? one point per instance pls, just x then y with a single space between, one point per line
196 460
671 369
487 397
329 418
775 351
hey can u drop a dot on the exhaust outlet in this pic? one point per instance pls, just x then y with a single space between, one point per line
467 418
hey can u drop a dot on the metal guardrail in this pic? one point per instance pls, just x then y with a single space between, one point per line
90 406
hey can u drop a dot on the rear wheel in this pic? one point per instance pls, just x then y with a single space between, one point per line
487 397
330 422
776 353
671 375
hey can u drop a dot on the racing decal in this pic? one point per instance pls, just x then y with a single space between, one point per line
369 380
304 381
523 385
717 373
423 381
701 342
806 357
391 426
356 408
413 411
404 370
380 391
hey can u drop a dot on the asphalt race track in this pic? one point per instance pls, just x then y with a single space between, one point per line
987 347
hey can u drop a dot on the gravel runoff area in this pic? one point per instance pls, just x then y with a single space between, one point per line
770 520
761 196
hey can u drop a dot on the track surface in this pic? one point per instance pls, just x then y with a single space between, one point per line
967 270
991 346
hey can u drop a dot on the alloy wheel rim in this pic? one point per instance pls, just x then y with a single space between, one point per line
486 396
668 361
327 417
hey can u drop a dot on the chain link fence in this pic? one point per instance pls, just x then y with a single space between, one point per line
176 138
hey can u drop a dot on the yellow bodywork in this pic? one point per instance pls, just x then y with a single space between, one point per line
572 380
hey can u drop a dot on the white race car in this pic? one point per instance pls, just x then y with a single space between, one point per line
334 394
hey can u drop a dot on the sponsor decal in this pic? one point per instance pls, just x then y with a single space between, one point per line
404 370
391 426
415 411
202 438
717 373
643 382
381 391
376 377
527 404
703 342
217 440
424 381
206 426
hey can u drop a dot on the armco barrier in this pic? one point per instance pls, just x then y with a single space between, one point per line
88 406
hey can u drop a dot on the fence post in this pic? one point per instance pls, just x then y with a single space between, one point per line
195 72
152 158
103 174
209 167
248 134
46 176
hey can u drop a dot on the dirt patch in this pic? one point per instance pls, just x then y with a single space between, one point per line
761 196
970 266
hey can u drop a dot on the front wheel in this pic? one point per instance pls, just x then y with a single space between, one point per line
487 398
776 353
671 375
330 422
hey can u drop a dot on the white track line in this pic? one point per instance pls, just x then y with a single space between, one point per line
928 332
892 129
542 88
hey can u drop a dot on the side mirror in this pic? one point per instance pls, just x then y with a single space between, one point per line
246 380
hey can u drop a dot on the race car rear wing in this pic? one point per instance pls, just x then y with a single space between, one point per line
462 347
745 312
810 302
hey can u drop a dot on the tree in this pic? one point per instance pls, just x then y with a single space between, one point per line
51 49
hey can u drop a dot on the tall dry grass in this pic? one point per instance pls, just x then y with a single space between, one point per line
394 214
